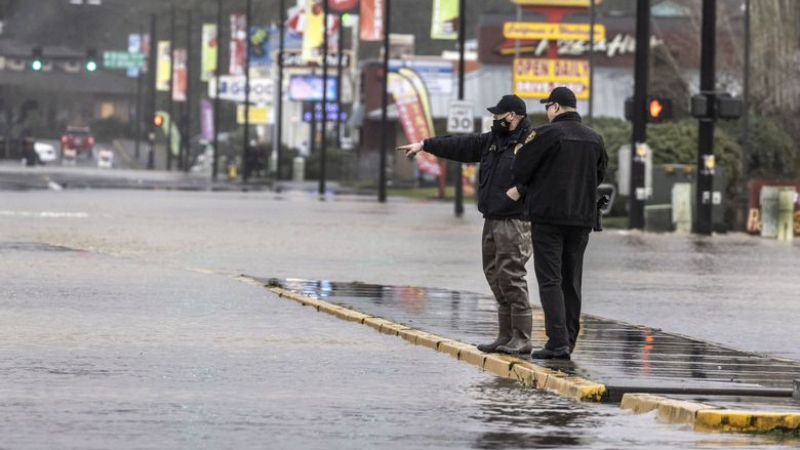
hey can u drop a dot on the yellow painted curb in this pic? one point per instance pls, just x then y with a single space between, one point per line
746 421
453 348
667 409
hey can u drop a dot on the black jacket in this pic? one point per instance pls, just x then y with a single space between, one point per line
495 153
562 163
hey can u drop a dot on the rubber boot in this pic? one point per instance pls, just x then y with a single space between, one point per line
503 334
520 335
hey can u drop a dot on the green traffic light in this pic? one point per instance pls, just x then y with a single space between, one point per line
36 65
91 66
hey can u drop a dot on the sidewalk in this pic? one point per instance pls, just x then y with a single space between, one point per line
624 358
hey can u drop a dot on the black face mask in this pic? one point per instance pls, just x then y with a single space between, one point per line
501 127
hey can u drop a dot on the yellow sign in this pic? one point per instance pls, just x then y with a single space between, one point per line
259 115
555 31
536 77
572 3
164 67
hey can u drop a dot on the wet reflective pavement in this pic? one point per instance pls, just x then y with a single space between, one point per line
626 358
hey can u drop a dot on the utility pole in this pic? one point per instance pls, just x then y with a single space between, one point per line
746 99
187 117
705 150
218 74
384 106
139 115
339 83
324 146
245 158
278 135
638 193
592 20
172 121
151 136
462 31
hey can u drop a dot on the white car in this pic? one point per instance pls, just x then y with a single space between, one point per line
47 152
105 158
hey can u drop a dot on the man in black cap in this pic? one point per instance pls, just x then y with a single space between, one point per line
561 164
506 235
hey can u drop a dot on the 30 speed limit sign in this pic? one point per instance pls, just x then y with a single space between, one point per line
460 119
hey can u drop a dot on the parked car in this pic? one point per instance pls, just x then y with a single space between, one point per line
105 158
47 152
79 139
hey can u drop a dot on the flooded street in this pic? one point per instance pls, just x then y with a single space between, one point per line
123 326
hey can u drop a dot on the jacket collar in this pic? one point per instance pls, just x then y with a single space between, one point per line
572 116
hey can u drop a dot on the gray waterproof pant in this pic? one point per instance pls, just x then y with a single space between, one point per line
506 249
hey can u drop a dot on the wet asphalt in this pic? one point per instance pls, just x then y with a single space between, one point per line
124 327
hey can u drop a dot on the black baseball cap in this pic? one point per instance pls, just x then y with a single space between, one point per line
508 103
563 96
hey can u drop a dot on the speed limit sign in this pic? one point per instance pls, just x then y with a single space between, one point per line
460 119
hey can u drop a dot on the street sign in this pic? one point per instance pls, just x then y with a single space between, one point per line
552 31
232 88
123 60
460 119
536 77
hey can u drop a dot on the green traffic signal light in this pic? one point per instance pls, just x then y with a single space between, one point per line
36 65
91 66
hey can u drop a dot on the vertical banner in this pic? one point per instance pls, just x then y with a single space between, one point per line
134 46
372 20
313 30
238 44
179 76
444 20
207 119
208 47
164 66
411 112
259 47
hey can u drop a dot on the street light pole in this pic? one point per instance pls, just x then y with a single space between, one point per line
218 74
245 160
153 94
324 146
462 31
187 117
385 104
705 152
278 135
638 194
171 85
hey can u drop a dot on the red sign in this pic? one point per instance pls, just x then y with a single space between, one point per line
342 5
238 44
372 16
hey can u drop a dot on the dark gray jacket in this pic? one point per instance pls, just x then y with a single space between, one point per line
562 163
495 153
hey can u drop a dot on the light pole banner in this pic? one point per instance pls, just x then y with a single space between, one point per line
207 119
134 46
179 76
238 44
313 30
164 68
259 47
209 51
444 20
372 15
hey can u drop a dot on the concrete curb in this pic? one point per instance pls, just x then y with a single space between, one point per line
527 373
700 416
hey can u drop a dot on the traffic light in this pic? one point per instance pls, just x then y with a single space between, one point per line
716 105
659 109
91 60
36 59
158 120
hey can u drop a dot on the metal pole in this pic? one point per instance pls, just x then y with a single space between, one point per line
384 106
171 85
746 99
705 151
339 84
637 185
324 146
139 115
245 165
151 136
218 74
187 117
592 20
462 32
279 96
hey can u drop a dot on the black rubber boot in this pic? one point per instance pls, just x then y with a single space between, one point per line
503 334
520 342
557 353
